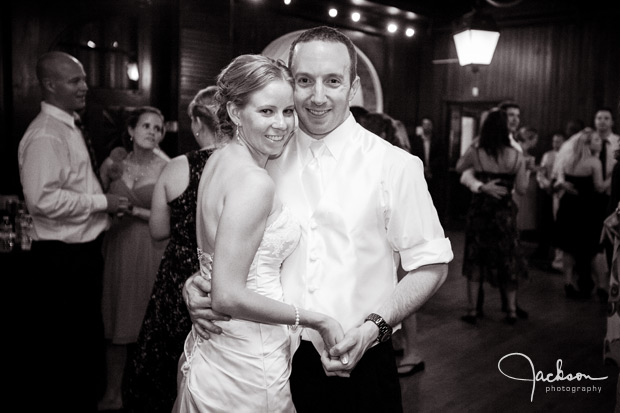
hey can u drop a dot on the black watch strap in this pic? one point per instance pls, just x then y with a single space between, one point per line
385 330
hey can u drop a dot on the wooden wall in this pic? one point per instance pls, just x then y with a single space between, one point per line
555 70
204 48
33 27
214 31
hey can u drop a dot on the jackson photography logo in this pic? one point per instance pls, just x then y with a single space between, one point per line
556 382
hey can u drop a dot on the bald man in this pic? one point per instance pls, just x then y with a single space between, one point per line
70 213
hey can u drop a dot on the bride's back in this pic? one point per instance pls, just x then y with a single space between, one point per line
226 170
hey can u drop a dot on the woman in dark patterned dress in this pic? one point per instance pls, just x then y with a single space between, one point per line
492 250
151 377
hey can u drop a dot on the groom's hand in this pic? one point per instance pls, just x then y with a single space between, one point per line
355 343
198 301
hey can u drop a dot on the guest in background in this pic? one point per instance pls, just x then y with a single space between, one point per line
151 375
527 138
402 135
513 117
603 129
612 232
578 224
409 360
603 125
131 256
430 149
495 188
492 249
573 126
548 206
358 112
70 213
383 125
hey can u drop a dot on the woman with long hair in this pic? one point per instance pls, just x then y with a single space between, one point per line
492 250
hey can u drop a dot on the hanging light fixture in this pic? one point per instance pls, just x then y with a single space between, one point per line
475 37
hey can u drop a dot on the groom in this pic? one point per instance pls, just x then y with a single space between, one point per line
364 209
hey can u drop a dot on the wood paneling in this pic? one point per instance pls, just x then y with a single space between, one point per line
556 72
204 47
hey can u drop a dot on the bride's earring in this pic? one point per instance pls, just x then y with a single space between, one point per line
238 134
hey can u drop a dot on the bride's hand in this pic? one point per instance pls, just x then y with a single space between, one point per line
332 333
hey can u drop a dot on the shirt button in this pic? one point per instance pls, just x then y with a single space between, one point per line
314 256
313 224
313 288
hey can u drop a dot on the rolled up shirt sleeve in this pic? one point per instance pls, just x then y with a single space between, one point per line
412 223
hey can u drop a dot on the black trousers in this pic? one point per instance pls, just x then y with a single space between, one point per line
66 361
373 386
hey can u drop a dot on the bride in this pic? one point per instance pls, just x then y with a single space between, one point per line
244 233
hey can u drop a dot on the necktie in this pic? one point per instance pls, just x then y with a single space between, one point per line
311 175
603 157
89 145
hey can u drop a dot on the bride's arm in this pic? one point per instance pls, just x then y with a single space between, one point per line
240 230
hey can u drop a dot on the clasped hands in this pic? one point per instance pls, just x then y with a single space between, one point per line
118 205
338 359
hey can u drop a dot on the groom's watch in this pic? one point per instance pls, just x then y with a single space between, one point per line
385 331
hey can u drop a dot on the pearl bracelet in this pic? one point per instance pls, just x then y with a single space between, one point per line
294 326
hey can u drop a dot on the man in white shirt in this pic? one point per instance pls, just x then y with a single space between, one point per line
69 212
374 214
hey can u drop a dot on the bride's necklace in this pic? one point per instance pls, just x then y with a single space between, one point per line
136 171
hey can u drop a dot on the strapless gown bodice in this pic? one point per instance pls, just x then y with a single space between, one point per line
247 367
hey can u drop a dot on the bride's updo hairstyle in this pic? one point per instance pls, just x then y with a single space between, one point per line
243 76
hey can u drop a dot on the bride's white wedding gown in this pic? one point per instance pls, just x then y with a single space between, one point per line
247 367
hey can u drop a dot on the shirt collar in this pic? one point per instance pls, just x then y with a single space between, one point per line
334 142
604 139
61 115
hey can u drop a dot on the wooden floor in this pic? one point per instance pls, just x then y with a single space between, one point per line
461 360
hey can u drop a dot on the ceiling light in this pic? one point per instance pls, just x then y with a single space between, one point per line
287 2
409 32
475 38
392 28
333 12
355 16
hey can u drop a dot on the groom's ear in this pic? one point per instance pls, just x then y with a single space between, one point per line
354 88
